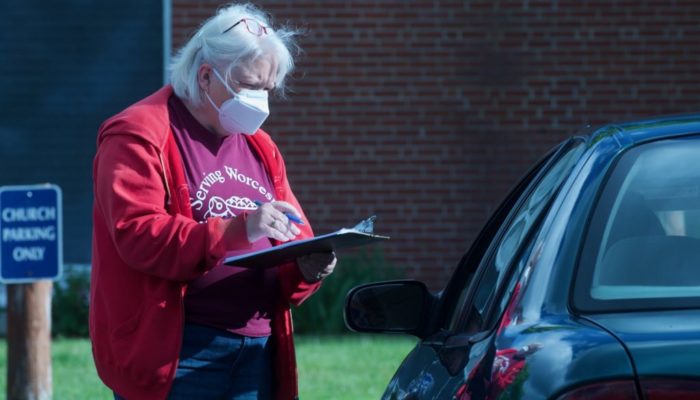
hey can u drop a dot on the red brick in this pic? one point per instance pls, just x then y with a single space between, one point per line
395 103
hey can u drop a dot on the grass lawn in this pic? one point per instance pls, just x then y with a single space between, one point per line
348 367
330 367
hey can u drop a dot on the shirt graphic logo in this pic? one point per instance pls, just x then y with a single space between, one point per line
224 208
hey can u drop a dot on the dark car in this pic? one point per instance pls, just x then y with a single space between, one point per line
584 284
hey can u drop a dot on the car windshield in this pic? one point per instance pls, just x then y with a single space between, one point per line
643 245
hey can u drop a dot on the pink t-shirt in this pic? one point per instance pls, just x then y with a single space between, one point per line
225 178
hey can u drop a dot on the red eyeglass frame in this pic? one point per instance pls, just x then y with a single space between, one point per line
262 31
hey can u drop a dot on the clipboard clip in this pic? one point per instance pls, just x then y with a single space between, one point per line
366 226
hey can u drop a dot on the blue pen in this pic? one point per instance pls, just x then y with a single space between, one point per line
291 217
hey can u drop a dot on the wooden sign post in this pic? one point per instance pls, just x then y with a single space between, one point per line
29 341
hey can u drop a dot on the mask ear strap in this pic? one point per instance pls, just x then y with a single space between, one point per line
223 81
212 102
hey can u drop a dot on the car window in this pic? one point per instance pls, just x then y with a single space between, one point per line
643 245
519 225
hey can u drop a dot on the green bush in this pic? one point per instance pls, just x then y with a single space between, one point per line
323 312
69 308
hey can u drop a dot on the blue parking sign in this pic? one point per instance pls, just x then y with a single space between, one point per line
31 240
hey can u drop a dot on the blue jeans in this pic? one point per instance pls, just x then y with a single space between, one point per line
216 364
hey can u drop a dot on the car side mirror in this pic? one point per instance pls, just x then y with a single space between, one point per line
393 306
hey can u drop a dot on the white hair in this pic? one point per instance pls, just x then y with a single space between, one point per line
227 50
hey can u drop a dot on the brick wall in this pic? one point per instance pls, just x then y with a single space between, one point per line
427 112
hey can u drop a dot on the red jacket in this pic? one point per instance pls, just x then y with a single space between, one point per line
146 247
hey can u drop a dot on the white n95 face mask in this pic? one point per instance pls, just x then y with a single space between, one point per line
245 112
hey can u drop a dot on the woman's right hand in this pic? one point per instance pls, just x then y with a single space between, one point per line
269 221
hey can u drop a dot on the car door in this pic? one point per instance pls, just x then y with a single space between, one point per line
473 300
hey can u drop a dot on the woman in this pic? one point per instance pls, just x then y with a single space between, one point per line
183 179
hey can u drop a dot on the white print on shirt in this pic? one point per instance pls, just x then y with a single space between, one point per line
220 207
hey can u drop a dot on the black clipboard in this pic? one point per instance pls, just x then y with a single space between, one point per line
360 235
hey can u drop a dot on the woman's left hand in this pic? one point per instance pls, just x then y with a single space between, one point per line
315 267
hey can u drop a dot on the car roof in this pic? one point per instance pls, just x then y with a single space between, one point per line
633 132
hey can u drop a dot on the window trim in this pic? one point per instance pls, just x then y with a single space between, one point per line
524 188
482 244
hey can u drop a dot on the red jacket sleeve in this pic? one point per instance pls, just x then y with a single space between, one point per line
131 195
293 286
